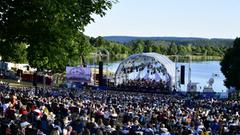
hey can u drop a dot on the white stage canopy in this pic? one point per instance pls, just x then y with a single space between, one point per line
146 66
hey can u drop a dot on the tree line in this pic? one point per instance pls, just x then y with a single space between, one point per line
81 46
203 48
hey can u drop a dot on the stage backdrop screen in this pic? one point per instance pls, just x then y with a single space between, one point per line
78 74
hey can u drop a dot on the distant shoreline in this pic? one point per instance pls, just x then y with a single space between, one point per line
180 57
196 58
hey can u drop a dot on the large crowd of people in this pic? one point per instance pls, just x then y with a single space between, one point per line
30 111
142 85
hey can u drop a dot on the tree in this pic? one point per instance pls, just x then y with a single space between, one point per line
14 52
156 49
99 42
138 46
81 47
48 26
230 65
189 48
172 49
52 56
182 50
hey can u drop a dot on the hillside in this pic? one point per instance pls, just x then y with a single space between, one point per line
181 40
124 39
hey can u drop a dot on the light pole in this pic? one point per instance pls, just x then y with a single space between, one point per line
107 72
176 72
94 66
189 85
190 69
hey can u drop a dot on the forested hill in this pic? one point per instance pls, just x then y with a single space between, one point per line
178 40
124 39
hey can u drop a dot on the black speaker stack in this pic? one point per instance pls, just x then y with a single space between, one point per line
34 79
182 80
100 76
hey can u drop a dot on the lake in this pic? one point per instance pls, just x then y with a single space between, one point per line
201 72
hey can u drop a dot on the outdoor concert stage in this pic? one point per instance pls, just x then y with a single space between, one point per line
145 72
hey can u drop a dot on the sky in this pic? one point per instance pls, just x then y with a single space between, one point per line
181 18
